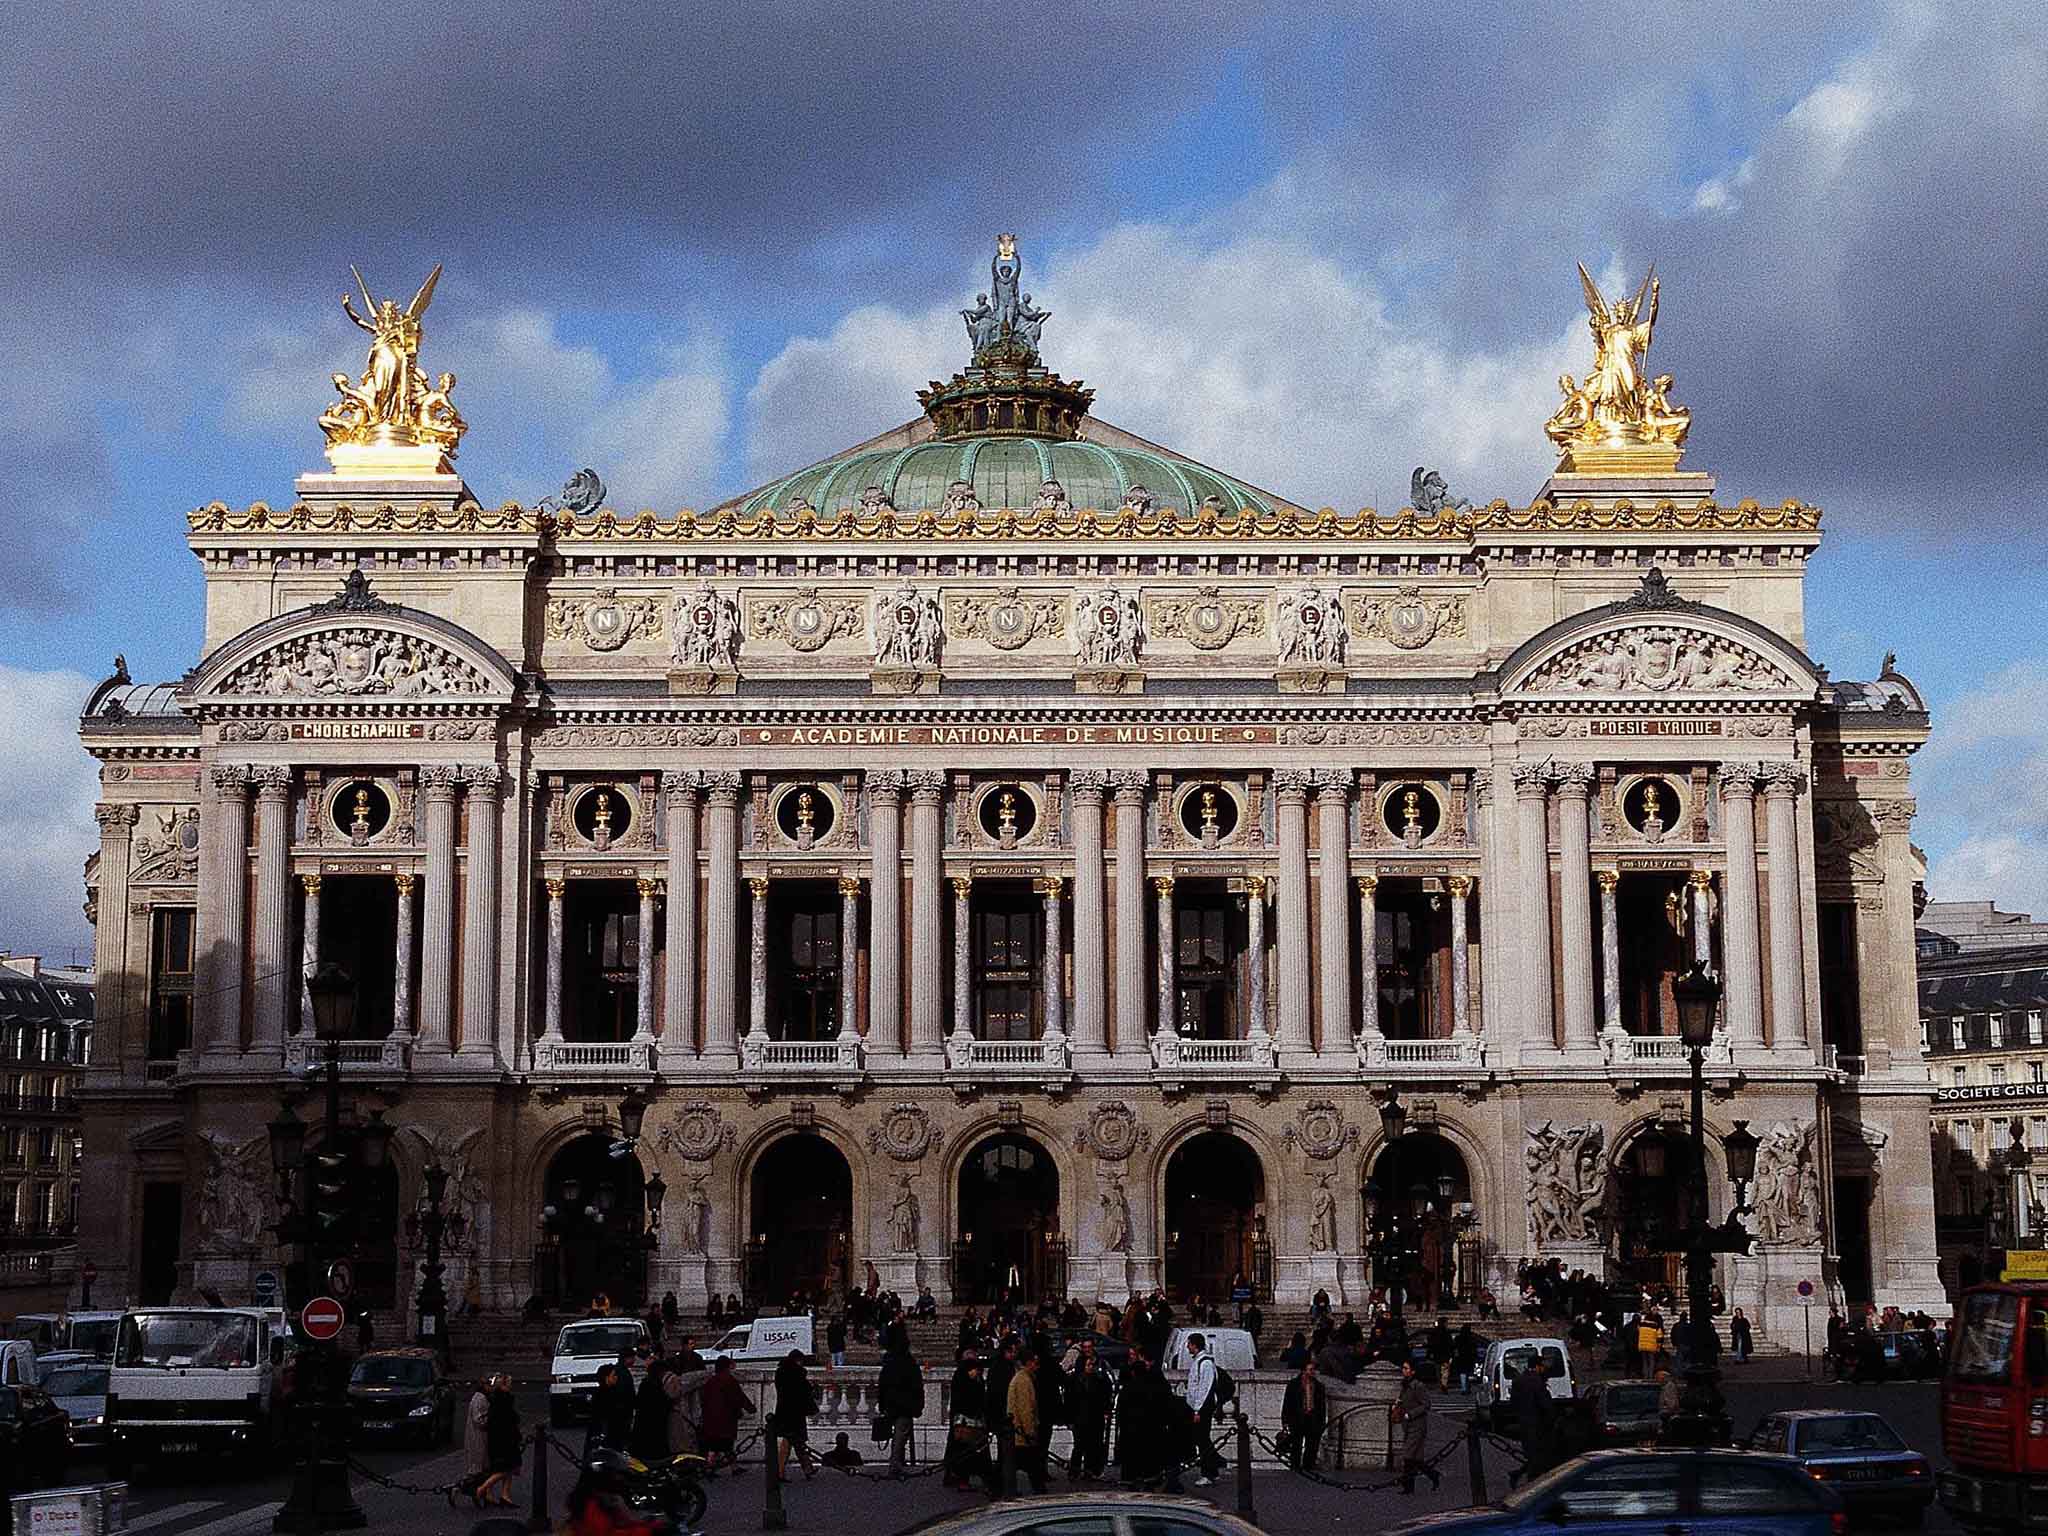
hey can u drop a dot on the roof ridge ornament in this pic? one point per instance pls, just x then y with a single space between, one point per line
355 596
1656 595
1006 389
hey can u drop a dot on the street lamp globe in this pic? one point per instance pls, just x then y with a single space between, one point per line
1739 1147
657 1192
1697 994
632 1115
333 994
1393 1114
287 1141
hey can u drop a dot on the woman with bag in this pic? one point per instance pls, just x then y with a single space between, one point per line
476 1445
794 1406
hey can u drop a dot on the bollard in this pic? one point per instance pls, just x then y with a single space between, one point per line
1475 1462
773 1517
1006 1463
1244 1468
537 1518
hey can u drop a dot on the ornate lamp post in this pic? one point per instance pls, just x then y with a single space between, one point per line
432 1307
1381 1198
657 1193
2019 1161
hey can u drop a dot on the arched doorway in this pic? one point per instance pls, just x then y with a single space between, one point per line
1215 1217
1009 1222
802 1222
1418 1214
1658 1192
592 1216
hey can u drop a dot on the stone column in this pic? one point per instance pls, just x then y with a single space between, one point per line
401 991
849 957
1291 786
679 788
1085 789
1131 1033
885 913
1702 883
757 962
309 948
1460 888
721 920
1610 954
1782 783
1575 904
1368 957
1333 836
480 917
437 914
927 913
110 942
223 933
1163 885
1255 942
1052 970
963 958
552 1003
276 985
643 978
1532 862
1741 946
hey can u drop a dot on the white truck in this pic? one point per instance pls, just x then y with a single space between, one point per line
582 1350
765 1339
189 1380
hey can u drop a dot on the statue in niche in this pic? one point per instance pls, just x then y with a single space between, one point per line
903 1217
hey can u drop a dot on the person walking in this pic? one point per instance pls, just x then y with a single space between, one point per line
835 1340
503 1442
725 1404
899 1395
1740 1342
1535 1412
1202 1404
1303 1412
794 1406
685 1389
1088 1405
476 1445
649 1438
611 1409
1027 1425
1411 1412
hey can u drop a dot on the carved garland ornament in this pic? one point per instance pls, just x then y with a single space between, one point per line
171 853
355 663
906 1133
806 620
1207 620
1658 660
1320 1131
1009 620
604 621
1112 1132
1408 620
696 1133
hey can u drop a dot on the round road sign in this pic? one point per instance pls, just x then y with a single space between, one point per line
322 1318
1806 1287
341 1278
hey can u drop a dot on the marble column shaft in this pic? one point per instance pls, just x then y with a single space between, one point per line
722 918
927 914
437 909
1291 786
1575 904
110 941
849 957
643 976
1782 784
1052 971
1085 790
309 948
1741 942
220 952
1368 956
402 958
275 965
757 959
1163 886
963 958
885 913
1255 949
1459 888
1610 954
680 789
1333 863
1131 990
480 914
1532 866
552 1004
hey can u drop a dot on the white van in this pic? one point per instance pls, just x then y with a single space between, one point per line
583 1349
1505 1359
765 1338
1231 1348
91 1332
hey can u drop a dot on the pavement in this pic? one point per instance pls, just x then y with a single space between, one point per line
196 1502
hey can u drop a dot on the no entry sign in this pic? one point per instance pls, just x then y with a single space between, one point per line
322 1318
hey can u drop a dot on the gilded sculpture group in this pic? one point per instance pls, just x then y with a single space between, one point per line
1618 411
393 405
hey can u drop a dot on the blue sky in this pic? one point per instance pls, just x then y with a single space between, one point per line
696 246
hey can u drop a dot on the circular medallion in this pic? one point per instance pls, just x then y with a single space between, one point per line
605 625
1209 625
1009 626
1411 623
809 626
906 1134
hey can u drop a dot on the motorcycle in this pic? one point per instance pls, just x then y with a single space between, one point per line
671 1490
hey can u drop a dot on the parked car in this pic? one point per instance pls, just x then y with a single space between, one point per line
1099 1514
35 1440
401 1394
1911 1354
1652 1493
1505 1359
1857 1454
79 1387
1111 1352
765 1339
1623 1413
61 1359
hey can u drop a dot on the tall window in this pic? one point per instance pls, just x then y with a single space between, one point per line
1955 1033
1956 1076
2033 1071
170 982
808 1005
1006 965
46 1146
1998 1074
1201 968
1994 1029
2034 1027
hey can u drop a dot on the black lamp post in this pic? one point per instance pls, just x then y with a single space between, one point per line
2020 1202
1386 1221
657 1194
433 1298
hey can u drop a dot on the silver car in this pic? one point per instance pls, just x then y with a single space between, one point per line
1097 1514
80 1389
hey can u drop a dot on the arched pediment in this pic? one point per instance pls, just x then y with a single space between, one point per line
356 649
1656 644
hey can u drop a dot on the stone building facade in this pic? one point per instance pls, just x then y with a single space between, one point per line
1011 852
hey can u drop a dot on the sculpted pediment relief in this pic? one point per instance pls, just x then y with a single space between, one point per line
359 661
1664 658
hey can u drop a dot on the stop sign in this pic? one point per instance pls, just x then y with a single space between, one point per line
322 1318
90 1272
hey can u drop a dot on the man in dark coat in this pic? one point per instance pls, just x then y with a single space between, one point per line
1411 1412
899 1395
1142 1421
1303 1412
650 1416
1535 1414
1087 1404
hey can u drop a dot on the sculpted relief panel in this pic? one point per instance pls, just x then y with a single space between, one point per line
355 663
1664 659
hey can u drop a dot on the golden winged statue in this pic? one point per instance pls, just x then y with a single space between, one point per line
1619 421
392 421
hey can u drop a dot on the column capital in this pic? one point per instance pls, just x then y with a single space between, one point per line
1255 887
1482 785
1368 885
648 889
557 887
1130 785
1575 780
439 780
885 784
962 884
1459 886
405 882
1532 780
681 786
273 781
231 778
116 821
1609 879
1049 886
1738 779
311 883
722 788
483 778
849 885
1334 783
1783 777
1893 815
1701 879
926 785
1293 783
1163 884
758 884
1088 783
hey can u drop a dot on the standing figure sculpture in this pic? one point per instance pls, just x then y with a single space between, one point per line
386 418
1116 1219
903 1219
1322 1218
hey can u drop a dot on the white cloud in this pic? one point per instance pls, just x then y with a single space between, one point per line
1723 193
1982 786
2010 871
46 801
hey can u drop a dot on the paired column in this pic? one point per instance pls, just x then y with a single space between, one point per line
1162 885
480 915
1333 838
757 962
309 948
722 918
885 913
401 990
1085 790
963 967
1052 967
643 978
1610 954
1368 957
437 916
110 940
1255 942
1575 903
1741 949
275 964
1532 862
849 952
1291 787
1782 783
557 888
927 914
1460 888
679 789
1131 1034
221 1013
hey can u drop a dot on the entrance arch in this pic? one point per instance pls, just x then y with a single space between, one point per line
1215 1200
801 1225
594 1208
1658 1192
1009 1220
1418 1201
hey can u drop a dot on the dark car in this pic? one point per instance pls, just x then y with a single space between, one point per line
1910 1354
1857 1454
35 1440
79 1387
1096 1514
1113 1354
1624 1413
1652 1493
401 1394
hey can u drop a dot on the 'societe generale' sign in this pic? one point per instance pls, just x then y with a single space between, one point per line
1988 1093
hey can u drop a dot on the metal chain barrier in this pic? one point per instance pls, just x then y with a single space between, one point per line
437 1490
1330 1482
